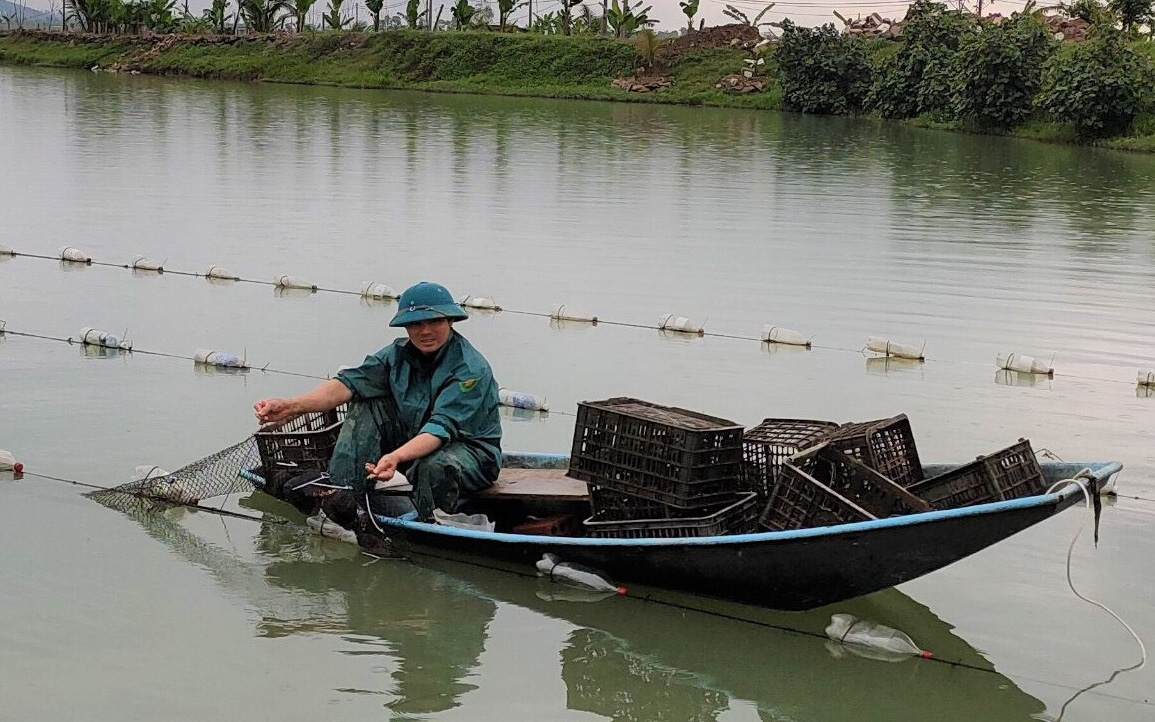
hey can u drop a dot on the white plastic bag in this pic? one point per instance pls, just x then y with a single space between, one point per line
681 324
476 522
1022 364
789 337
885 346
373 289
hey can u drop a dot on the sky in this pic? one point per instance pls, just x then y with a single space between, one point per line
803 12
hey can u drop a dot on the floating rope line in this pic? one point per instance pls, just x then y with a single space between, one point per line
266 368
518 312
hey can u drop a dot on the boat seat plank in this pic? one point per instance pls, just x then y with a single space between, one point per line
527 484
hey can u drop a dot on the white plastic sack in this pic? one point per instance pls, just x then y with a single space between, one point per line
68 253
884 346
476 522
519 400
144 263
95 337
218 358
777 334
294 282
479 302
561 312
324 526
1147 378
373 289
6 251
1022 364
681 324
221 273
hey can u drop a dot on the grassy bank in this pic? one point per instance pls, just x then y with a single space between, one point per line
469 62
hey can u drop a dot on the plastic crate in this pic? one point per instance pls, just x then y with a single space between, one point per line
627 506
737 515
672 456
885 445
1008 474
769 444
304 444
822 486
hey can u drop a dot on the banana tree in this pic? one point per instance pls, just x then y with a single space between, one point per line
414 14
263 16
462 13
505 8
375 7
217 16
689 9
332 17
567 15
624 20
301 10
735 13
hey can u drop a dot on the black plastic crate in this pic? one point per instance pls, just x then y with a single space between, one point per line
627 506
885 445
769 444
664 454
304 444
737 515
1011 473
822 486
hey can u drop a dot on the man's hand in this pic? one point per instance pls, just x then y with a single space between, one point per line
275 411
383 469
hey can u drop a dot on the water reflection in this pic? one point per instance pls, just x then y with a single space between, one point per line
1004 377
883 365
625 659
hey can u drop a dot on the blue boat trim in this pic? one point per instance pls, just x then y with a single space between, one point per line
1103 471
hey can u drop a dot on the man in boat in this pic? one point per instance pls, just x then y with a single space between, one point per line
425 405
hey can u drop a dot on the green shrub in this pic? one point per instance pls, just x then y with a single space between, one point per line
998 71
916 79
1100 86
822 71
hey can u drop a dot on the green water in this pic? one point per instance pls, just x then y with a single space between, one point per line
837 228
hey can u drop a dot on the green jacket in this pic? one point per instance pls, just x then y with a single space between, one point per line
452 396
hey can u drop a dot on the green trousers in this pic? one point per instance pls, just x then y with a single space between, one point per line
373 428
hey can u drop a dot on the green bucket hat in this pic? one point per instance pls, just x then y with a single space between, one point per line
426 301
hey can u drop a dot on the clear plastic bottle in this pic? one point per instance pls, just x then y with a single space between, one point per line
575 575
853 632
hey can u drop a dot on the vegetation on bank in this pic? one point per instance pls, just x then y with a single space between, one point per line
1011 76
578 67
948 70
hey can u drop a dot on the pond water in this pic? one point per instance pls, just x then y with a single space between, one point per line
838 228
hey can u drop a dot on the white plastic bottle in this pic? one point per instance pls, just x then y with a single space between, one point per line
575 575
851 631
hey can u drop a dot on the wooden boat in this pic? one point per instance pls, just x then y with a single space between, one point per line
786 570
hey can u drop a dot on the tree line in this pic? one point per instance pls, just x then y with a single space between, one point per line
953 67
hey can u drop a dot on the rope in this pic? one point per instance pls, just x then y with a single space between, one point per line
538 314
162 354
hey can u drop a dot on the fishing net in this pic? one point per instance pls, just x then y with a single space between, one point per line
214 475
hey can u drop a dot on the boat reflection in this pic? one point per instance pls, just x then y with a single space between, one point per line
650 656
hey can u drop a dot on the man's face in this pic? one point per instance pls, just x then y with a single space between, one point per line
428 336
